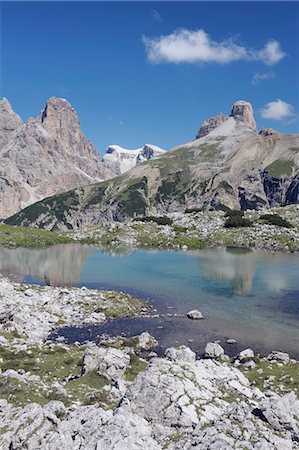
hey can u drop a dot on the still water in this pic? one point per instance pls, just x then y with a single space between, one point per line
250 296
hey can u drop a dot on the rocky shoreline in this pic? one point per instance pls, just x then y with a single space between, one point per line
119 394
196 229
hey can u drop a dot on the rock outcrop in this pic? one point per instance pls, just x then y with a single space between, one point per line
210 124
44 156
119 160
10 122
243 112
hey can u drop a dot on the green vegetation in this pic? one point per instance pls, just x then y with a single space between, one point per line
171 439
53 364
132 199
226 187
159 220
282 378
275 219
55 207
236 219
192 210
11 236
115 304
280 167
136 365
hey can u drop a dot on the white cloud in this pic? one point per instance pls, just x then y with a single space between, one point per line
277 110
271 53
156 15
261 76
184 46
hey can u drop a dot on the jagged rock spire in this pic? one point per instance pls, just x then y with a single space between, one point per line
243 112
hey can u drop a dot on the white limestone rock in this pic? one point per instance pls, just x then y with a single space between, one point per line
245 354
279 356
109 362
127 431
146 341
180 354
195 314
213 350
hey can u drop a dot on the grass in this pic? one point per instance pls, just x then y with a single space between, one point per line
11 236
285 375
58 364
280 167
136 365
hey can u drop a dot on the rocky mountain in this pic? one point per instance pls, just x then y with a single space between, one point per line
119 160
44 156
230 166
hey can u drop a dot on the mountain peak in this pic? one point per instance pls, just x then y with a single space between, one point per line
242 111
5 106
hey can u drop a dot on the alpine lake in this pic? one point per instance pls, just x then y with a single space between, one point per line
249 296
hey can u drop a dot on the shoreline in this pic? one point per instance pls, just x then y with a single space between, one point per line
193 230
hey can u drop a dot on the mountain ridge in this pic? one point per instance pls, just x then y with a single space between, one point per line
230 167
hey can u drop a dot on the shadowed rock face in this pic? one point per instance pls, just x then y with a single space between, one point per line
44 156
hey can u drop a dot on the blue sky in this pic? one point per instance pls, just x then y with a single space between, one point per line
151 72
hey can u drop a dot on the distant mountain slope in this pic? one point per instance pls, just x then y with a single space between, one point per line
230 166
119 160
44 156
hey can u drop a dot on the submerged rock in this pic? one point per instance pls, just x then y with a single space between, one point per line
195 314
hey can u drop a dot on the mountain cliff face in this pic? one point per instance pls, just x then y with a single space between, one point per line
230 166
119 160
44 156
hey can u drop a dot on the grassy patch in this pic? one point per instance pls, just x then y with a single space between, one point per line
171 439
275 219
59 364
136 365
280 167
281 378
158 220
11 236
236 219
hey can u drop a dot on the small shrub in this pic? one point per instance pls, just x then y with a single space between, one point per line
159 220
275 219
192 210
236 219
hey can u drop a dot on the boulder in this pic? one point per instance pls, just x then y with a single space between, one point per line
146 341
245 354
279 356
213 350
195 314
180 354
109 362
